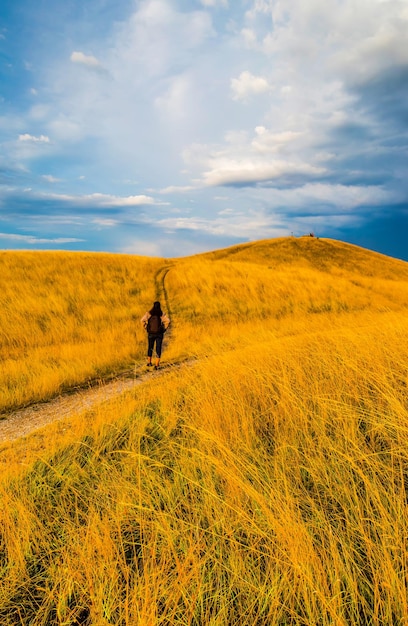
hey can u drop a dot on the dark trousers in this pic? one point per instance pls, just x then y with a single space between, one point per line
152 339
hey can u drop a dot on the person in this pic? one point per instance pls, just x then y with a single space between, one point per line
155 322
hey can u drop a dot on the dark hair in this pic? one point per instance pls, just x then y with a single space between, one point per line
156 310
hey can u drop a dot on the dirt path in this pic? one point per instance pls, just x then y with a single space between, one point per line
26 420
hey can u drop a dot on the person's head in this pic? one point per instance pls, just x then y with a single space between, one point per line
156 309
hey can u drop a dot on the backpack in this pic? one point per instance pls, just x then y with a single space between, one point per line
154 325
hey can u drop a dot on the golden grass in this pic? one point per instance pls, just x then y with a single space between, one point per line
266 484
68 317
277 287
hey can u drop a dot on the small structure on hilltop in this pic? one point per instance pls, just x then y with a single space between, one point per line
311 234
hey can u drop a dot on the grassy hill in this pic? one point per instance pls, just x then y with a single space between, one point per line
265 484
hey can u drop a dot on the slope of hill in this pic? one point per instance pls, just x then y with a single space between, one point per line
323 254
278 286
267 484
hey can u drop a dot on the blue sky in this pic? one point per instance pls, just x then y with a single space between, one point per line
170 127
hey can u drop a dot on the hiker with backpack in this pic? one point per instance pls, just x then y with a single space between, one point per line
155 322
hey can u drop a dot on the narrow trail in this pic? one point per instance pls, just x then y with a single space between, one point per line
160 286
23 421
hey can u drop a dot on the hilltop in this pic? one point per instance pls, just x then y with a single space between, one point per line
322 254
265 483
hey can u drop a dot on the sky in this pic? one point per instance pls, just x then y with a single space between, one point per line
172 127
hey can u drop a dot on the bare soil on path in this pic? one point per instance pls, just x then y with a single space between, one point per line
24 421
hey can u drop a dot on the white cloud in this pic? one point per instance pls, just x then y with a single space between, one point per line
104 200
249 37
327 199
177 189
157 38
86 59
122 201
270 142
40 113
105 222
33 138
94 199
31 239
141 247
345 197
247 84
260 6
255 226
246 161
383 48
175 101
251 171
342 36
50 179
214 3
65 129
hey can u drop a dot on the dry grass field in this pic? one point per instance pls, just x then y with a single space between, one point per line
65 318
266 483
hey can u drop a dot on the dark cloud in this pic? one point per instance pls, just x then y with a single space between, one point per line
385 96
20 207
384 231
351 175
283 181
351 131
369 166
